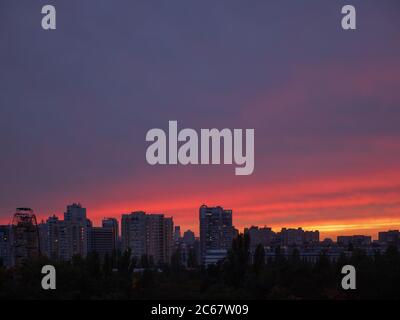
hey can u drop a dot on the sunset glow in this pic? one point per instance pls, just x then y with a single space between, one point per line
324 105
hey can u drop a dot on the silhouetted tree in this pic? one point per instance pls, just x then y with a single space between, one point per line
259 259
236 263
378 276
191 259
176 265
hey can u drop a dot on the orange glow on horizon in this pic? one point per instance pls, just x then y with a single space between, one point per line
337 206
363 204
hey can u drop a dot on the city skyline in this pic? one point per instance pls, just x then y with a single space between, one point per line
77 102
152 238
99 222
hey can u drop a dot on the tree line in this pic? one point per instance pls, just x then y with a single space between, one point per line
237 277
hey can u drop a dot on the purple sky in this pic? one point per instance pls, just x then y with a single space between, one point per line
76 103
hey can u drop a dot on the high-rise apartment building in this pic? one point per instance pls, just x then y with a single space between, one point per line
391 237
5 245
291 237
53 226
147 235
102 241
62 239
169 239
43 238
264 236
216 230
112 223
297 237
189 249
189 237
311 237
133 233
155 237
177 234
77 230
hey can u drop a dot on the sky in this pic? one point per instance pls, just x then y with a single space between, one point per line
76 104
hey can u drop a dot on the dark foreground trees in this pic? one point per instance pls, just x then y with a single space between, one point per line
120 277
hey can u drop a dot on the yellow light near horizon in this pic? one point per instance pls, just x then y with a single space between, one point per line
354 226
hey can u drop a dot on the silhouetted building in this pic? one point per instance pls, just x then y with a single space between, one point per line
112 223
189 238
297 237
214 256
77 231
43 238
148 234
133 233
291 237
102 241
235 233
189 249
169 239
391 237
356 240
311 237
216 230
62 239
55 245
263 236
177 234
5 245
156 238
